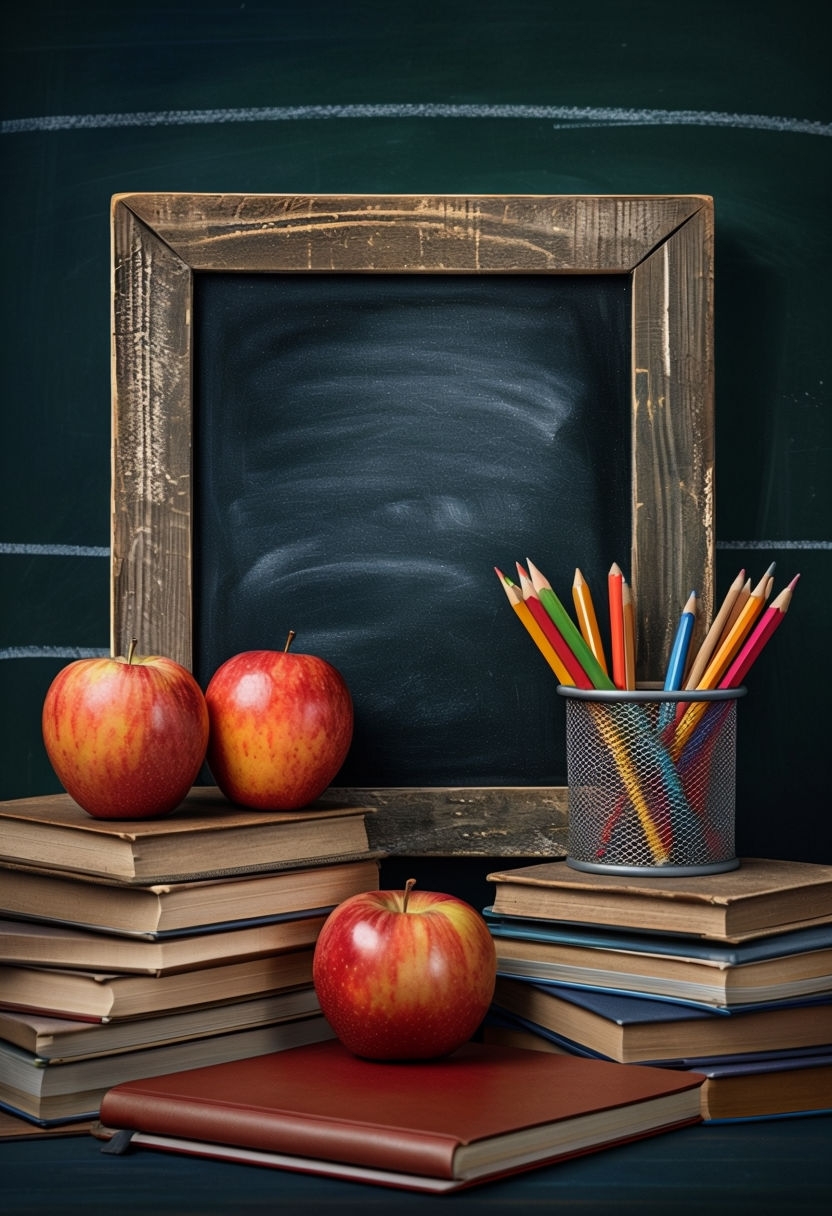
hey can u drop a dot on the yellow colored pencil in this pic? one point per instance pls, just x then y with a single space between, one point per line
587 620
515 598
628 609
706 650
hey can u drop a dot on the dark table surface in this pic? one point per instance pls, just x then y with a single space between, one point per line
781 1167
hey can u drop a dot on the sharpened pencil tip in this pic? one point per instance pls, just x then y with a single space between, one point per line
794 582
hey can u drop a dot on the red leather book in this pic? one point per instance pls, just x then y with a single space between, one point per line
481 1113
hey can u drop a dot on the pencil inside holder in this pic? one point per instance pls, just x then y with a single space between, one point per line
652 780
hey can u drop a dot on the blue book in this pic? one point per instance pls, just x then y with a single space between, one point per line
781 967
775 945
634 1029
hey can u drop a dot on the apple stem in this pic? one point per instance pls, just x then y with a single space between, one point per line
408 887
289 641
132 650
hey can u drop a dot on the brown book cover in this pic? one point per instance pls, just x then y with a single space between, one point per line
762 896
45 945
434 1126
205 836
91 902
102 997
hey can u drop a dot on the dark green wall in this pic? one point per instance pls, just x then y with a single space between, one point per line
728 99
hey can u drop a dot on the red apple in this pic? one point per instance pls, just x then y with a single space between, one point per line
404 975
125 736
281 727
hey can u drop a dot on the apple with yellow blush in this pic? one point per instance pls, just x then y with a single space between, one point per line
281 727
126 735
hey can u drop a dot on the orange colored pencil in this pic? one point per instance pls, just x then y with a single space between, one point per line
587 620
521 608
615 583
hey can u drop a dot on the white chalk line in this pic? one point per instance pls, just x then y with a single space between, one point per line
33 550
563 117
53 652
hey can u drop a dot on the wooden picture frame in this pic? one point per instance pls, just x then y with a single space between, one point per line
664 243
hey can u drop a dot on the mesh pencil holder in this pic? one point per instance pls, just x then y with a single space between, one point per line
651 779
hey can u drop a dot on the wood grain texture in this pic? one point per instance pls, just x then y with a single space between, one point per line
468 821
663 242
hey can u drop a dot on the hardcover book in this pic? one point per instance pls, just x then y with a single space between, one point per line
432 1126
782 966
633 1029
767 1085
762 896
61 1092
90 902
45 945
56 1040
101 997
766 1089
205 836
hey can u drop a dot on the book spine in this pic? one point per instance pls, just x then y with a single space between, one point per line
278 1132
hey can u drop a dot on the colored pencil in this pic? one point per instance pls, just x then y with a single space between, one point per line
587 620
742 601
736 609
615 583
675 673
521 608
727 649
706 650
578 676
688 715
771 620
568 629
628 612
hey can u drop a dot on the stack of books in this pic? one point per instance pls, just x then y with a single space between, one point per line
137 949
727 975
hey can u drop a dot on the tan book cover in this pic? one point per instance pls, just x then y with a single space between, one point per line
762 896
102 996
89 901
206 835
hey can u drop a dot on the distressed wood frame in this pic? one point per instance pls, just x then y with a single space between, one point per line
663 242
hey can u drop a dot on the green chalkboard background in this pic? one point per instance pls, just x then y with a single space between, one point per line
728 99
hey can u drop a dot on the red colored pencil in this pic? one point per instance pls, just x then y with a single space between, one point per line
551 632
